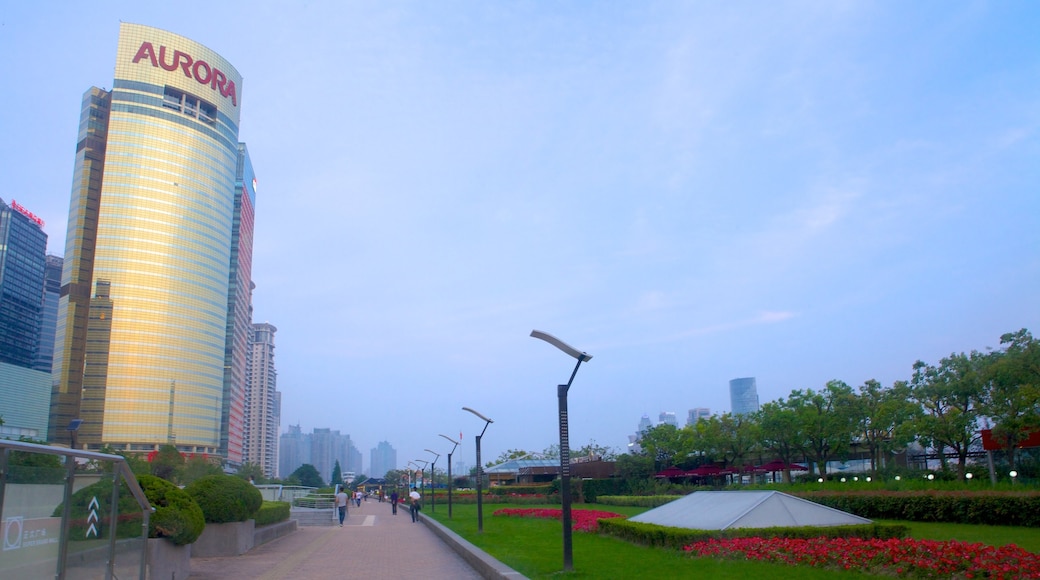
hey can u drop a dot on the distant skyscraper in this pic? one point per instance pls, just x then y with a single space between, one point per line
294 450
743 396
644 425
697 414
262 404
383 459
51 293
23 258
141 336
668 418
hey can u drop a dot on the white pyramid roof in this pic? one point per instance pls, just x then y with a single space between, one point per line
721 510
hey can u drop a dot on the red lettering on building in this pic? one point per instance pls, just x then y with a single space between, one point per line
199 70
21 209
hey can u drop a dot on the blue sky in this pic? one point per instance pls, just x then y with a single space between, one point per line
689 191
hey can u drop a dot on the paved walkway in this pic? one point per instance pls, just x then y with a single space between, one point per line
372 544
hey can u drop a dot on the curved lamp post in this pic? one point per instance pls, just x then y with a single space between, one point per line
433 479
480 472
411 485
450 482
565 452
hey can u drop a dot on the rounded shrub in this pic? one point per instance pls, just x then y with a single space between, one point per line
225 498
177 517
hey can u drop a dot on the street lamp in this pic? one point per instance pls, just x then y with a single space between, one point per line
411 485
433 480
480 472
450 482
565 452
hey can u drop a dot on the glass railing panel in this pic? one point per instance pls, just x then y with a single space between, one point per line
31 524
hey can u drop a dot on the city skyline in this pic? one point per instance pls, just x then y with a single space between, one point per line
689 192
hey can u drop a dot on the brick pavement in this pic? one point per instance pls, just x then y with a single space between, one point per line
372 544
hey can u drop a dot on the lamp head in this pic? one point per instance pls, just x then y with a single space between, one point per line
450 439
477 414
582 356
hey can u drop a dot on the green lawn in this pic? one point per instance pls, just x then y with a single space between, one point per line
534 547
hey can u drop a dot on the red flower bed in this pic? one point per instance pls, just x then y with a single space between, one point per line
581 520
896 557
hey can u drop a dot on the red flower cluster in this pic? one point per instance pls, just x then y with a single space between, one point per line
581 520
901 558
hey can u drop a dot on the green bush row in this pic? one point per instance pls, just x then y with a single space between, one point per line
225 498
637 500
993 508
272 512
677 538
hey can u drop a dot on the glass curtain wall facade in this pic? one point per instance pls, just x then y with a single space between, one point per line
743 396
142 317
23 250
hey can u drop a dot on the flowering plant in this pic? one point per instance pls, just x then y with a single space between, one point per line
581 520
903 558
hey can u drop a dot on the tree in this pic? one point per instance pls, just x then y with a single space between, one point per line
827 419
782 433
1013 398
509 455
667 445
250 471
337 475
590 449
166 462
197 468
885 420
308 476
950 396
728 438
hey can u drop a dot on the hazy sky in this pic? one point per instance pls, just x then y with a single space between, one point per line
689 191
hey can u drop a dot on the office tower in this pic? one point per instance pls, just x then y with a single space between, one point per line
51 293
23 396
23 257
240 314
383 458
667 418
142 319
262 404
743 396
697 414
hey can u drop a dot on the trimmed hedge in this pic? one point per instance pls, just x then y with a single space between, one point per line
987 508
225 498
272 512
676 538
128 523
177 517
651 501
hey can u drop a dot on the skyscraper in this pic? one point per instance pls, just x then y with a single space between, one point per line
667 418
694 415
51 293
23 255
24 386
743 396
140 345
240 313
262 404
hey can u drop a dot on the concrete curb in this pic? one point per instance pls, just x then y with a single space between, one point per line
480 560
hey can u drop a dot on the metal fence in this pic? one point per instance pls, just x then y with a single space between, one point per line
70 514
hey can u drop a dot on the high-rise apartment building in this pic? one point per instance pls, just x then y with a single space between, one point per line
743 396
262 401
24 386
141 335
383 458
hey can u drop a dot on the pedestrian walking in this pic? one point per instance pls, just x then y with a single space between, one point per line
416 506
341 505
393 501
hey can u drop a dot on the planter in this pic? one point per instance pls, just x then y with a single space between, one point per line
168 561
223 540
